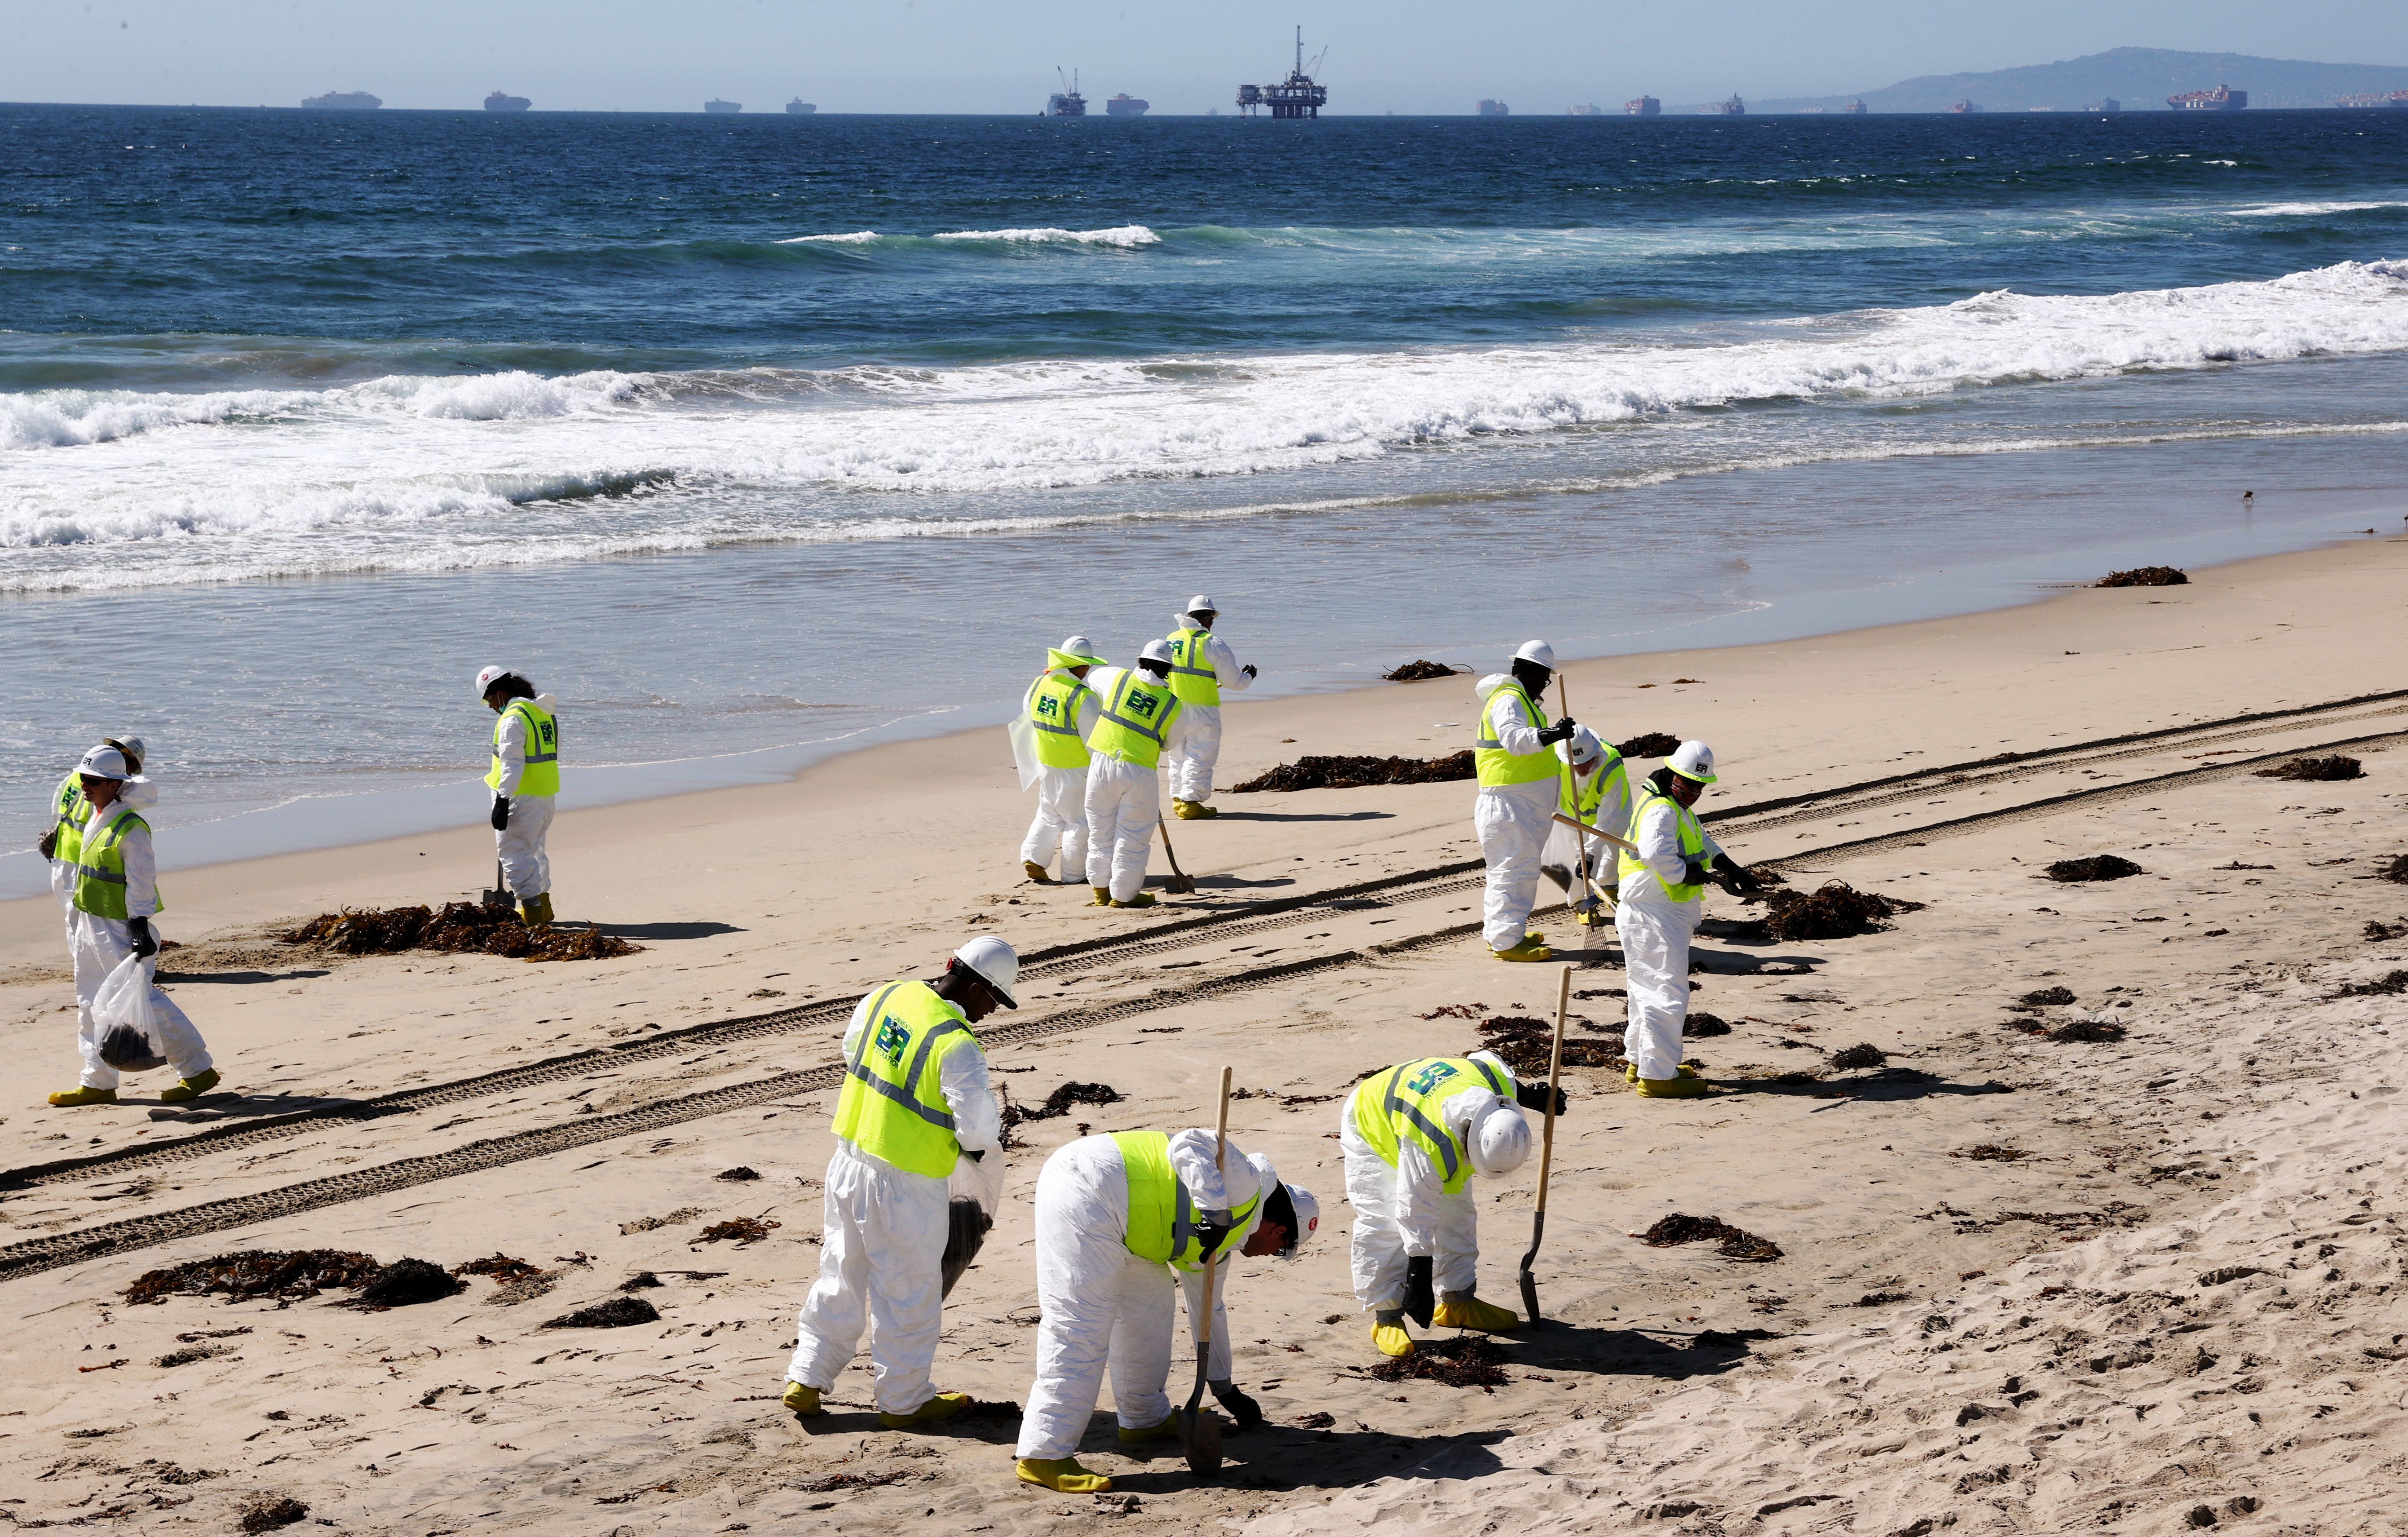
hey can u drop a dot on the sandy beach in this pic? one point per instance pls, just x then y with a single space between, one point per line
2025 1282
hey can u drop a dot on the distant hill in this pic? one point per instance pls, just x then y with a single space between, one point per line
2141 78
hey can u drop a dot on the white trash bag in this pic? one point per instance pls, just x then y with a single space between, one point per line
1024 748
126 1019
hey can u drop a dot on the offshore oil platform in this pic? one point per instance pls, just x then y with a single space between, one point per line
1066 101
1297 96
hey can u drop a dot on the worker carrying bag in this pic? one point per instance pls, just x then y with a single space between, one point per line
126 1020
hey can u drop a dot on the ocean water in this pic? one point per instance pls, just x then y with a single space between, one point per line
756 438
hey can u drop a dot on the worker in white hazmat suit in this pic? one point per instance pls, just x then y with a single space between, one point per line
1519 790
1122 1222
525 782
1660 898
1061 710
1413 1136
1202 667
916 1103
1595 791
1138 721
113 898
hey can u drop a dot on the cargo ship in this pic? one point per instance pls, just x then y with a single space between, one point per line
2105 104
343 101
720 108
1732 108
1126 106
1297 96
1643 107
801 108
502 101
1494 109
1066 101
2222 99
1967 105
1854 108
1591 111
2395 98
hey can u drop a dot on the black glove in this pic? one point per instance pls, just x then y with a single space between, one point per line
144 943
1737 880
48 843
1561 731
1248 671
1534 1097
1245 1411
501 812
1695 875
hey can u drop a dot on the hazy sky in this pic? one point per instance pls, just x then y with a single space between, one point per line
953 56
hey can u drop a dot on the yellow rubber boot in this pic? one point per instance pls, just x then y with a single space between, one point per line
1143 899
84 1097
804 1401
1630 1071
1388 1337
943 1407
1036 872
1685 1087
1103 895
1462 1310
190 1088
1529 949
1141 1434
1062 1474
1204 810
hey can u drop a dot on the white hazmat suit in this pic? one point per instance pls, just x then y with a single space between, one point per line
1061 821
1124 804
526 867
1513 820
1190 770
1654 931
1561 858
882 1244
1404 1213
1102 1304
99 944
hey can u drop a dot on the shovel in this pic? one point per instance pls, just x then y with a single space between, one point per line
500 896
1546 1152
1199 1431
1180 880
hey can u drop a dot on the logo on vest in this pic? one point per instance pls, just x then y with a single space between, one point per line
1143 704
1431 1078
893 1038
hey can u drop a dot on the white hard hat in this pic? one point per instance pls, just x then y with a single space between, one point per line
134 748
1500 1140
489 677
1202 603
1539 651
1582 748
103 762
1308 1219
996 964
1156 651
1694 760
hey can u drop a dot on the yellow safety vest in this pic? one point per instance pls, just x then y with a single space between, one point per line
1693 845
72 808
1583 805
542 775
100 870
1499 768
892 1104
1402 1105
1135 720
1193 678
1162 1220
1053 710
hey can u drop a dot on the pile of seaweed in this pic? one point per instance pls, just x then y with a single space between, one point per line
1468 1360
1527 1046
2388 986
1413 672
1318 772
743 1229
2145 576
1729 1242
1853 1059
1058 1103
1699 1023
2098 866
1649 745
616 1312
1835 910
257 1272
505 1269
2394 868
2048 995
406 1281
2338 766
461 927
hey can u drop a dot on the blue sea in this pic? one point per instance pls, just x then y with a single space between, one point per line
757 438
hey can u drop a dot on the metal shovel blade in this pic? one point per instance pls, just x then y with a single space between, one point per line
500 896
1529 1281
1421 1300
1200 1434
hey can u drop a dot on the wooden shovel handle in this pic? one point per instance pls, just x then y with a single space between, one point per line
1555 1080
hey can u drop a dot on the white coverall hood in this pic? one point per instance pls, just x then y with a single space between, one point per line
1488 685
136 794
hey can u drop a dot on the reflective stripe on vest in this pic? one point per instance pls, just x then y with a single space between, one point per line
100 871
896 1110
1693 845
1496 765
1053 710
1161 1219
542 775
72 809
1405 1107
1191 684
1135 720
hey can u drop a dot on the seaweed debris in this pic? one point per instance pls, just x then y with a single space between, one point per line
830 1483
617 1313
1730 1243
1413 672
2394 869
1468 1360
1527 1046
192 1353
406 1281
1456 1011
739 1174
2338 766
1649 745
2383 986
2047 994
461 927
1991 1153
2102 1031
1699 1023
1881 1298
1059 1102
1322 772
641 1280
1835 910
503 1267
256 1272
743 1229
2098 866
267 1512
2376 932
1850 1058
2145 576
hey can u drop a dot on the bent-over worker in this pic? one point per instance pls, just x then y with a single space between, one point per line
1595 792
1413 1136
1519 790
1061 710
915 1100
1122 1222
1138 721
113 898
1201 666
525 782
1661 897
